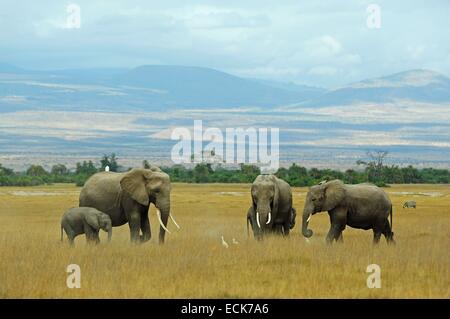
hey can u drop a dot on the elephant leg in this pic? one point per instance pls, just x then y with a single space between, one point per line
338 233
333 233
134 222
88 232
91 235
330 236
95 237
162 232
145 228
286 228
338 220
70 236
71 239
388 234
376 236
278 229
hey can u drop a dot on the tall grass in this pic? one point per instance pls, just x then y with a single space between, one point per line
193 262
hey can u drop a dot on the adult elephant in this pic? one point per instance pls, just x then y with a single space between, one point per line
363 206
126 198
271 210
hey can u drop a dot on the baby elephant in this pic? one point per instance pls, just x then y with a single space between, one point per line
85 220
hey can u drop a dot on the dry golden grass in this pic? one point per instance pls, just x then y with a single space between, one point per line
193 262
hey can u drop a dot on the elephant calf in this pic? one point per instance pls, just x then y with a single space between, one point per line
85 220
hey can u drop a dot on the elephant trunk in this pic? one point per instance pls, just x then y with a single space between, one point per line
160 219
307 213
163 213
263 215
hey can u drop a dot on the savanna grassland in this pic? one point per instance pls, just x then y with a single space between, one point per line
193 262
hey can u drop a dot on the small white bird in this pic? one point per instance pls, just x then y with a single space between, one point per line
235 241
107 169
307 240
224 243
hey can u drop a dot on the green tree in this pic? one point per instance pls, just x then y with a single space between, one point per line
6 171
36 170
110 161
202 173
59 170
375 167
86 168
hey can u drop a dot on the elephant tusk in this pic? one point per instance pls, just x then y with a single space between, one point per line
309 218
158 213
269 219
173 219
257 219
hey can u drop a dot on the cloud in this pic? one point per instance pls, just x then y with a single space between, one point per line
13 99
323 70
226 19
323 47
292 41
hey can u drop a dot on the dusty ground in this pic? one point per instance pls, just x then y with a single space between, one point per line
193 262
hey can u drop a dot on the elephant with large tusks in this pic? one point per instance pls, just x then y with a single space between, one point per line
363 206
126 198
271 210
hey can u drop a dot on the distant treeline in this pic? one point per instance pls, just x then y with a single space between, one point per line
373 171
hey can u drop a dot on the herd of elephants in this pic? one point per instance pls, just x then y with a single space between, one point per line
111 199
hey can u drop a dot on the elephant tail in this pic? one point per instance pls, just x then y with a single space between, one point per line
61 233
248 233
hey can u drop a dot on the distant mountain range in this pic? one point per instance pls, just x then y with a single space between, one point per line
64 116
143 88
413 85
148 88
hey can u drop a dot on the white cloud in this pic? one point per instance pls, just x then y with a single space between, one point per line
323 47
323 70
253 37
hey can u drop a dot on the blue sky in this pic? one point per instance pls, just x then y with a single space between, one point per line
324 43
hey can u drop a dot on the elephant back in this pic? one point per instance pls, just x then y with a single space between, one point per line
103 192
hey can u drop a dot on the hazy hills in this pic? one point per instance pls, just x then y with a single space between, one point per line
70 115
413 85
145 88
148 88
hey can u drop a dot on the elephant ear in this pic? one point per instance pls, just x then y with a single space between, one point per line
251 194
92 220
276 196
334 194
134 184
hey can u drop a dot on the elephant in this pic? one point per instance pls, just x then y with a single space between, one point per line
363 206
85 220
126 198
271 210
409 204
